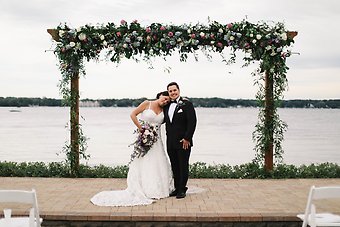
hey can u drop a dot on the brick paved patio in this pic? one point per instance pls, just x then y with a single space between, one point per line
64 200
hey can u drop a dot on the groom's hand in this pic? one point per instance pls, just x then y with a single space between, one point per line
186 144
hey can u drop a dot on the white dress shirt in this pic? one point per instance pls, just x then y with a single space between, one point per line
172 108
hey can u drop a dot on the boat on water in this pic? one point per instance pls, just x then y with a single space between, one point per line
14 111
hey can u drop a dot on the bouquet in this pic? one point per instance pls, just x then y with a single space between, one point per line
146 137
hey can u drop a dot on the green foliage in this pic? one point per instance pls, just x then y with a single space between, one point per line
59 169
196 170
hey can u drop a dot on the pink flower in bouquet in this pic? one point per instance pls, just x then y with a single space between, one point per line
123 22
162 28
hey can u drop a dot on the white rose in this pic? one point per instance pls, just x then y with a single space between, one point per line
61 33
212 42
279 49
189 31
258 36
72 44
78 29
251 35
82 36
105 43
268 47
254 41
125 45
231 37
220 30
202 34
283 36
102 37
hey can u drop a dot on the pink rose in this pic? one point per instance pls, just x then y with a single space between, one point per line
148 38
246 45
170 34
193 36
122 22
162 28
219 44
212 36
229 25
135 21
118 34
148 29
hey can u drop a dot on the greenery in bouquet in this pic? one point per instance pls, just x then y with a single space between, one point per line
146 137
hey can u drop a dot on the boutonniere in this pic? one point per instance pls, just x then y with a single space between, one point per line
181 103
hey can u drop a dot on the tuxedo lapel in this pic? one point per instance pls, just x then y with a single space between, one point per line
166 113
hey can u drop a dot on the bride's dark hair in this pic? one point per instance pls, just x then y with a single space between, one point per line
164 93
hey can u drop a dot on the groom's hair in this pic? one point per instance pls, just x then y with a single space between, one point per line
171 84
164 93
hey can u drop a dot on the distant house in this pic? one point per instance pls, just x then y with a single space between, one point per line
88 103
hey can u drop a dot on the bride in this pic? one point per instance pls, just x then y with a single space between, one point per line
149 177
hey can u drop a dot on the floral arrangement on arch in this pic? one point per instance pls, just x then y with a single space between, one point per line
127 40
146 137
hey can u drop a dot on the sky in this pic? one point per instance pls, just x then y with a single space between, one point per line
29 67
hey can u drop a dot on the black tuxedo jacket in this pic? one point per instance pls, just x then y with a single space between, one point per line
183 123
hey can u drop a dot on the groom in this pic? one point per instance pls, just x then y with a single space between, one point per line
180 119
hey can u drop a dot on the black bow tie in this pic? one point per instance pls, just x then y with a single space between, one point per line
173 101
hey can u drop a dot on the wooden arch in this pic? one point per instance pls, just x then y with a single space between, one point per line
160 40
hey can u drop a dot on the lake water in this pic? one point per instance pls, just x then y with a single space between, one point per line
223 135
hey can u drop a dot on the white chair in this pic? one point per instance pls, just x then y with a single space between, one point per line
26 197
320 219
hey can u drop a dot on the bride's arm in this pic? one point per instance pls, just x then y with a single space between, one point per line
137 111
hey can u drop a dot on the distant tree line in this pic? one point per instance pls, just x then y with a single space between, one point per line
198 102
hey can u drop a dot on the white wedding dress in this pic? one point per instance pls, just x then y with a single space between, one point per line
149 177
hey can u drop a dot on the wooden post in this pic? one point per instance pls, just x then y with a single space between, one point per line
74 121
269 114
74 114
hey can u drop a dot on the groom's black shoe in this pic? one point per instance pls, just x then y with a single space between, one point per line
180 195
173 193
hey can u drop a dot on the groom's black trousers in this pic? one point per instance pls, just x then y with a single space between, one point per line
179 159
